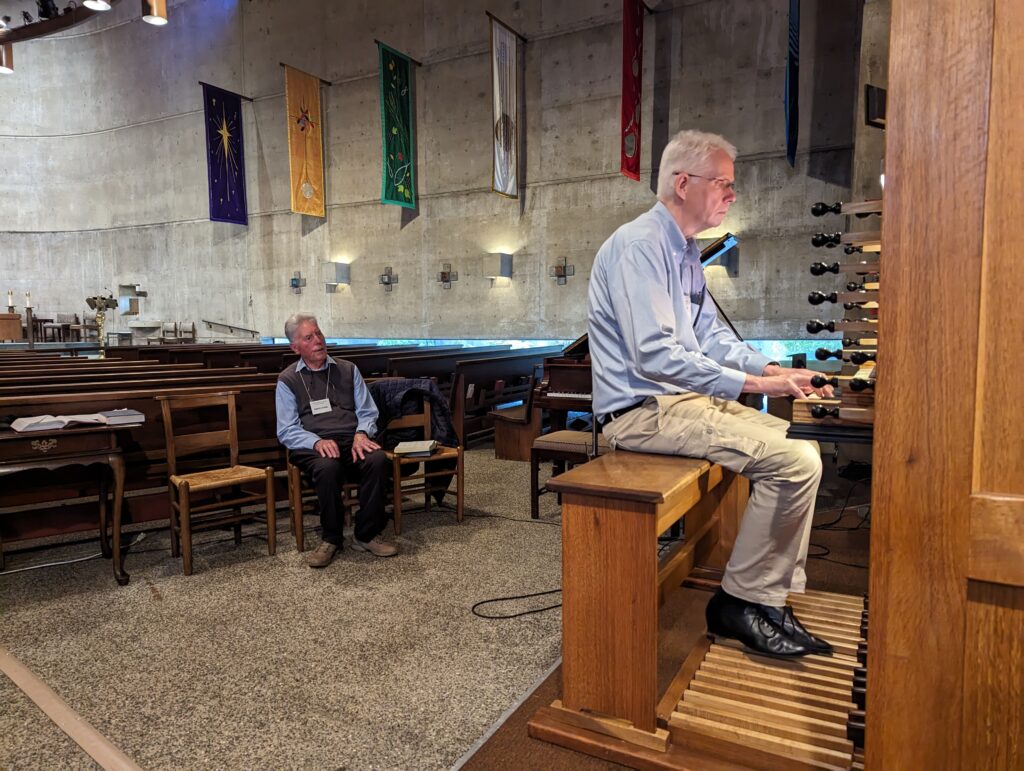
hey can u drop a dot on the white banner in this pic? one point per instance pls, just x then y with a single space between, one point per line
504 76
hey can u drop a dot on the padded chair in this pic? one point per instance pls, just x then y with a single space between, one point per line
562 448
225 482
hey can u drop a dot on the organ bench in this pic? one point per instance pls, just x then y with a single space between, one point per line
613 581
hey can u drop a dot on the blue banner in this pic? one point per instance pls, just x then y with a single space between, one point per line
793 82
225 155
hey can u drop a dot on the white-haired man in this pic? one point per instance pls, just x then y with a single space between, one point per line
667 373
327 420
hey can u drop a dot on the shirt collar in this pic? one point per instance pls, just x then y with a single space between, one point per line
302 365
686 246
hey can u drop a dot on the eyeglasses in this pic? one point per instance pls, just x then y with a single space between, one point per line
719 182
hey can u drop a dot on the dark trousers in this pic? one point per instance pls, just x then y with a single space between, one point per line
329 474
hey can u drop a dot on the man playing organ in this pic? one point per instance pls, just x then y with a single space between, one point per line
666 376
327 420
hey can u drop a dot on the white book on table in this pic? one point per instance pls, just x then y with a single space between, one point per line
54 422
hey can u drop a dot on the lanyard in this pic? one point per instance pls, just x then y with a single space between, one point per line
327 388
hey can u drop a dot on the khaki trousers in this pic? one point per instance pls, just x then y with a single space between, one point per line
770 552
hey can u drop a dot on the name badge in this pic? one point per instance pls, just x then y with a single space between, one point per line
320 406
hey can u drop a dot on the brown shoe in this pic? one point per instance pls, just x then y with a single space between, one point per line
378 546
322 555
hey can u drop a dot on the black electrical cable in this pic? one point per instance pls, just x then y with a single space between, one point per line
474 611
515 519
823 555
842 512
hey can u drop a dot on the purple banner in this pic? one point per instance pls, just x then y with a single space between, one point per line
225 155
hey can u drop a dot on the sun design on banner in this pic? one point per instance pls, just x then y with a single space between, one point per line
226 151
303 121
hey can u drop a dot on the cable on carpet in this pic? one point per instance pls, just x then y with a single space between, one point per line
842 512
476 613
823 555
58 563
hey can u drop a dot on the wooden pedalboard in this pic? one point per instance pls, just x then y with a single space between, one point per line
728 708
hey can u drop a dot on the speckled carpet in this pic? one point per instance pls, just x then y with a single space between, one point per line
261 662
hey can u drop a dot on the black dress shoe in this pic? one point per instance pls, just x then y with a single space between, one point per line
790 624
729 616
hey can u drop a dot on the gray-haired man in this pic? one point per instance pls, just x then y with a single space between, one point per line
327 420
666 376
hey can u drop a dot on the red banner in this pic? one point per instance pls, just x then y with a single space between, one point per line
632 70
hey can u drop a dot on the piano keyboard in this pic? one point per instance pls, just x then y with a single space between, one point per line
777 713
569 395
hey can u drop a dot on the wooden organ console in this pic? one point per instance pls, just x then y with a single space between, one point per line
947 583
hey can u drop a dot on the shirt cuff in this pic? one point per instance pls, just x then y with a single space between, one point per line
756 363
729 384
370 430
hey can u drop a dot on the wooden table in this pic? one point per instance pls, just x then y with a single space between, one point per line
10 326
83 446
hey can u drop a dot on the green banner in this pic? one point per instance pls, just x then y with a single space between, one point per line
398 182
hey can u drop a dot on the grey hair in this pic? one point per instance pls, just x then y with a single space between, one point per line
293 322
688 151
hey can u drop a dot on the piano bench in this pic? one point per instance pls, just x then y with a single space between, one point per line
562 448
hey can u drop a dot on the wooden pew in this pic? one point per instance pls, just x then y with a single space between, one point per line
373 363
480 385
440 366
144 452
65 362
31 377
274 360
613 582
199 377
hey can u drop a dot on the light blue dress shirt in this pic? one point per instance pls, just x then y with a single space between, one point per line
651 331
290 431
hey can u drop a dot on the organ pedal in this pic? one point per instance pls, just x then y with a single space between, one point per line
767 713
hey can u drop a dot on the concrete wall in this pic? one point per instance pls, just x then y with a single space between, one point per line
103 178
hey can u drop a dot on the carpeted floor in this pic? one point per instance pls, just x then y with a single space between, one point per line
261 662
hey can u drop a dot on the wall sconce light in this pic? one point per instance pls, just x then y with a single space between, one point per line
562 271
498 266
388 278
154 12
447 276
6 59
342 275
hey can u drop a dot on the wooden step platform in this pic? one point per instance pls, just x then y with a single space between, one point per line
766 713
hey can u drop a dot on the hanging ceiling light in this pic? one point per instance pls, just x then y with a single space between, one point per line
97 5
154 12
6 59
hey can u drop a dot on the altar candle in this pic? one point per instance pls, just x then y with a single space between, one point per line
10 298
28 299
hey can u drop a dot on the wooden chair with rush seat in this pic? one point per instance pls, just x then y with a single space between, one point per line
426 481
226 509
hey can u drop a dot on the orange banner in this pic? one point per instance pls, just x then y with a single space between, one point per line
305 141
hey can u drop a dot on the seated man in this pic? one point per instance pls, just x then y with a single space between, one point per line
667 373
326 419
